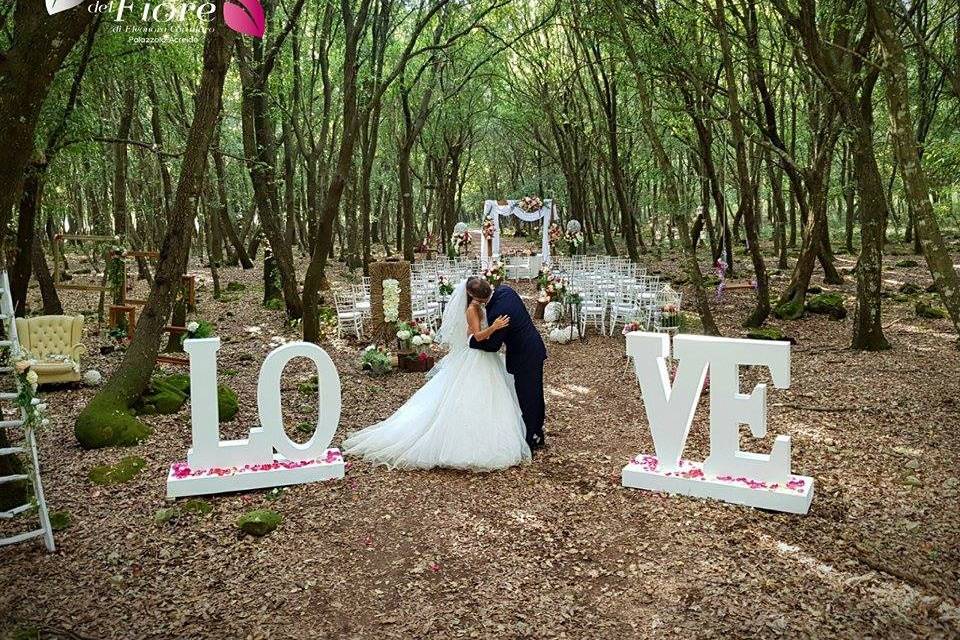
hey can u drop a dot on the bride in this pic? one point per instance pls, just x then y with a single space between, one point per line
465 417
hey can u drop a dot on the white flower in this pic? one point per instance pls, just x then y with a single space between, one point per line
44 422
32 377
193 326
370 348
427 339
42 406
403 335
417 341
92 378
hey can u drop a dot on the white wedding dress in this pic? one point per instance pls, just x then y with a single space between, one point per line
465 417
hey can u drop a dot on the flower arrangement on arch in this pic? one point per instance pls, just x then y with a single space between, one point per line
530 204
391 300
495 274
488 228
556 234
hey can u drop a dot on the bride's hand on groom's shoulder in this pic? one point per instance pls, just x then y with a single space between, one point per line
500 323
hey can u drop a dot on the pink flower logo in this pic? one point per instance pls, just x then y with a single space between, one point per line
56 6
243 16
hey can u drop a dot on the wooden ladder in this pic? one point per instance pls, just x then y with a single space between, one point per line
29 446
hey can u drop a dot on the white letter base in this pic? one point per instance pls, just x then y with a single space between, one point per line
184 481
645 472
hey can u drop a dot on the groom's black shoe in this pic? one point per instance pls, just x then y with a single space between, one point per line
536 442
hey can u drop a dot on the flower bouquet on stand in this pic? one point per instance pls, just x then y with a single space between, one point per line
670 318
544 279
495 274
459 243
415 340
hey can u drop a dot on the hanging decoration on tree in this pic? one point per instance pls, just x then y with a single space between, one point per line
720 268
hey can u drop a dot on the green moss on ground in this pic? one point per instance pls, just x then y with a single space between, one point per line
830 304
195 505
236 286
274 304
118 473
910 289
924 309
60 520
259 522
163 516
765 333
107 422
908 263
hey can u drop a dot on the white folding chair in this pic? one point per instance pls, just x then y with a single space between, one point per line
348 316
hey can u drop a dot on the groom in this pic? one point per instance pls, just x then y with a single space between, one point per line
525 351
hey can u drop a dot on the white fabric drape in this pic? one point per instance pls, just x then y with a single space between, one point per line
493 209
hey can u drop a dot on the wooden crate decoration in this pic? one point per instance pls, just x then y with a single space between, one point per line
382 331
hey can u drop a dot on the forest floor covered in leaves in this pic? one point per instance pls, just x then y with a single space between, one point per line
552 549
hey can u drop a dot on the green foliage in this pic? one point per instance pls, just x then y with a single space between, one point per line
259 522
274 304
908 263
236 286
119 473
164 516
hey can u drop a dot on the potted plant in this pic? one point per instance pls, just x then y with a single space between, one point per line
376 360
414 340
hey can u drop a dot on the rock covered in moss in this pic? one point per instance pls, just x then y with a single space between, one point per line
117 473
830 304
926 310
259 522
164 395
789 310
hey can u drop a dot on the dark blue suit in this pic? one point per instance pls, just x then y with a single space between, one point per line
525 356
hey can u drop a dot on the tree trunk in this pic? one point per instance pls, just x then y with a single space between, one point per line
106 419
39 43
938 258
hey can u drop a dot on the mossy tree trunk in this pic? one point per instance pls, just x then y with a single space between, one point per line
917 190
106 419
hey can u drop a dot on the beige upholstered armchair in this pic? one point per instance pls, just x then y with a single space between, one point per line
55 343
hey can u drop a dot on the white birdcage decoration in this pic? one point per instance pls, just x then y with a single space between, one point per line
573 226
